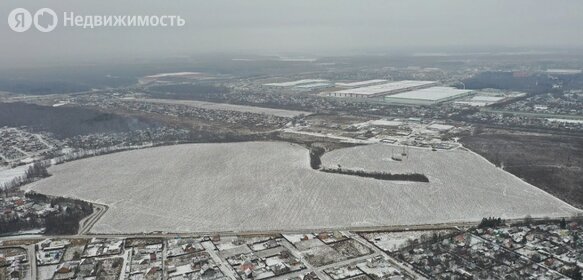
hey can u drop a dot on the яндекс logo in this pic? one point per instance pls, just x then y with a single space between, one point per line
45 20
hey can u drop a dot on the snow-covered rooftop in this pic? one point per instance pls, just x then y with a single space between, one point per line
361 83
487 98
173 74
431 94
564 71
296 83
386 88
314 85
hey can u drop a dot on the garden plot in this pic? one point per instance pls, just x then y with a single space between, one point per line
394 241
270 186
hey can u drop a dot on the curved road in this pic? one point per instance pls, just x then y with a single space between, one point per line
87 223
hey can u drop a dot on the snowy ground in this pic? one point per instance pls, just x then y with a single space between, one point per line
270 186
7 175
394 241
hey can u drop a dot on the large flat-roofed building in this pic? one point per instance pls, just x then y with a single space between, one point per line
564 71
314 86
428 96
296 83
382 89
360 84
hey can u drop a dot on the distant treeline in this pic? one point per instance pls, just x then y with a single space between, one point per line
204 91
414 177
507 80
40 87
64 122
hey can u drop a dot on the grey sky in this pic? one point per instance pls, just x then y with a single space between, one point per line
275 26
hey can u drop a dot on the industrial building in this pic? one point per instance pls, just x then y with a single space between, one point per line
296 83
427 96
314 86
382 89
360 84
564 71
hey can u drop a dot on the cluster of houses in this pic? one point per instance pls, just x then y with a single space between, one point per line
375 268
17 144
144 259
17 206
61 259
224 116
549 250
258 258
545 251
14 263
19 213
325 248
565 104
139 137
558 247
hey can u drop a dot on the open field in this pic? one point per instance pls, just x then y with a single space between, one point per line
553 163
225 106
270 186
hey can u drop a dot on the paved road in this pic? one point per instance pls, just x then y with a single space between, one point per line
87 223
127 258
310 268
31 260
273 232
224 266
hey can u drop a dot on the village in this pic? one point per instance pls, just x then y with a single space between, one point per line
538 248
22 146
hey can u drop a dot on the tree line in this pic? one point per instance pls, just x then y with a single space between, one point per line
36 171
316 164
414 177
315 157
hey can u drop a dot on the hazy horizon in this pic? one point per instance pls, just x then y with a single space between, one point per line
300 27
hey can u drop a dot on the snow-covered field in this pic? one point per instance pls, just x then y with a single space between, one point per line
270 186
7 175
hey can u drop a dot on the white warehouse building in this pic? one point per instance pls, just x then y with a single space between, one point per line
428 96
361 83
382 89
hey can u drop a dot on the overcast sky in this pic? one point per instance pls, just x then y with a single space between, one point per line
278 26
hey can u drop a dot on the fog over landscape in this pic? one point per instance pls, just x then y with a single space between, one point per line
297 27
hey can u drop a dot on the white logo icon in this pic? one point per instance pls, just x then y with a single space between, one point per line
19 20
45 20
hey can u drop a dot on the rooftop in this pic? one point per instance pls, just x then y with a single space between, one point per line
296 83
361 83
388 87
314 85
564 71
431 94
